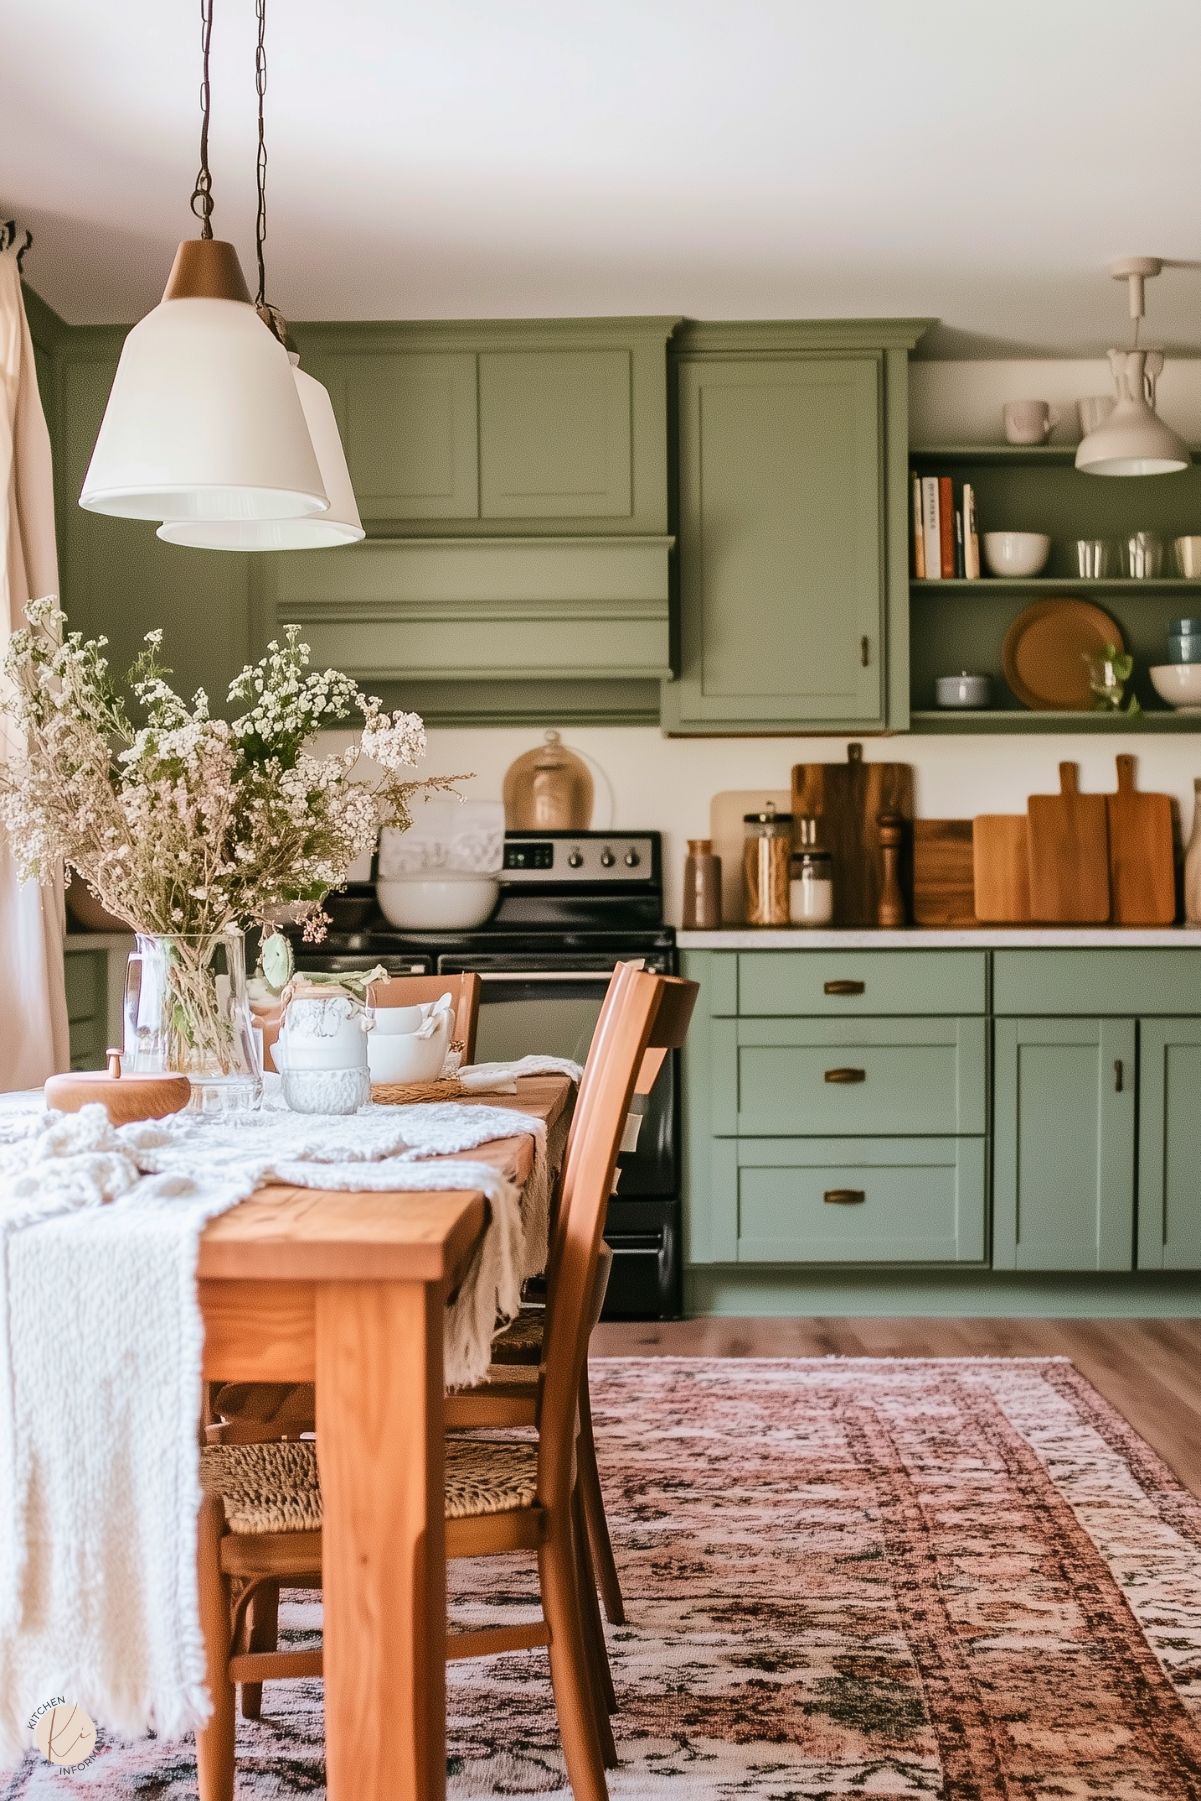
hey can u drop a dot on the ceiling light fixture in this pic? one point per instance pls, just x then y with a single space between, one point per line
341 523
1134 440
204 420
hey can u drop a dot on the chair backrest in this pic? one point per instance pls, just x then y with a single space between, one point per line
409 991
647 1013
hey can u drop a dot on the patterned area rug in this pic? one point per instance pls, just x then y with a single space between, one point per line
959 1579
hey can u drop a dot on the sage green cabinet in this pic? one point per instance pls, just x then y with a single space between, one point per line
117 578
86 979
556 434
792 526
1169 1136
1063 1150
409 421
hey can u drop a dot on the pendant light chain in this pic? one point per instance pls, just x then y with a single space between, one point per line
260 83
202 193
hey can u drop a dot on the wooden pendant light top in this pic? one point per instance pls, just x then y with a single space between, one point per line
126 1098
206 269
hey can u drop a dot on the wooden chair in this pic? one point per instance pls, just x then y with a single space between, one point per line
261 1513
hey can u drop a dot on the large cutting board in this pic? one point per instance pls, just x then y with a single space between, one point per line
1142 853
942 873
1001 869
1068 841
847 799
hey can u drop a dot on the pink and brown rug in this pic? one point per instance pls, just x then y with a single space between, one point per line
959 1579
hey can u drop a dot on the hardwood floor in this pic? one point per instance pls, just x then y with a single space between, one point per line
1150 1370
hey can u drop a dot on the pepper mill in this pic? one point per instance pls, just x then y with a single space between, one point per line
890 909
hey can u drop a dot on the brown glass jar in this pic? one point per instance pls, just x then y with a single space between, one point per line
766 857
702 887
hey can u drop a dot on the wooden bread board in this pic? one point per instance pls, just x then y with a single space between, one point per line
942 873
1000 869
1068 844
1142 853
847 799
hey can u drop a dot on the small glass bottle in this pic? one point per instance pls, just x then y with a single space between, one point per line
765 861
1192 863
702 887
811 881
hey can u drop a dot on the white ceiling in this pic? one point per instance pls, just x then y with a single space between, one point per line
769 158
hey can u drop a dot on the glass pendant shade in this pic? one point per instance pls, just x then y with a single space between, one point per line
1133 440
340 525
204 420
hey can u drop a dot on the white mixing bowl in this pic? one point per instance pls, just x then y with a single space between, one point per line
1179 684
446 904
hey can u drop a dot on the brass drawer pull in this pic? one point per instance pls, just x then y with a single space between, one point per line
845 987
844 1197
846 1075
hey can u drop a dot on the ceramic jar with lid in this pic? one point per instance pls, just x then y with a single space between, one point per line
766 856
702 887
322 1051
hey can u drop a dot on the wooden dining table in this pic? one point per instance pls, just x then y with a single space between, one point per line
348 1290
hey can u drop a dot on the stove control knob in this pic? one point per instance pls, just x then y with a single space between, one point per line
632 859
607 859
575 860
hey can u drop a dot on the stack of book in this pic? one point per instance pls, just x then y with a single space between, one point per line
946 541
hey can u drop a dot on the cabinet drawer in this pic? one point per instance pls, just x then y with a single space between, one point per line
881 1077
837 1200
852 983
1121 982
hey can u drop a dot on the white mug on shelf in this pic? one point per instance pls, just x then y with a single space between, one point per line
1029 421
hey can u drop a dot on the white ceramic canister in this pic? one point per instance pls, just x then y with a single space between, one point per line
321 1052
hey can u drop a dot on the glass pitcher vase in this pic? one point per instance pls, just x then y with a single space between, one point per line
187 1010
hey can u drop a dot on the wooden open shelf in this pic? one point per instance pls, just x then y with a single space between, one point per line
1011 453
1009 719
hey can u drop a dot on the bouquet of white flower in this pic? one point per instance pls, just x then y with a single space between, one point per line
187 826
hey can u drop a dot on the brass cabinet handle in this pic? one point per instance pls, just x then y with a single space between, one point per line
844 1197
1118 1075
846 1075
846 987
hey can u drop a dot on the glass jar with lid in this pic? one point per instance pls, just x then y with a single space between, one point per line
811 880
765 866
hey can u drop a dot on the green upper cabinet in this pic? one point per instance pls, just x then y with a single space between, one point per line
516 427
115 575
410 427
792 528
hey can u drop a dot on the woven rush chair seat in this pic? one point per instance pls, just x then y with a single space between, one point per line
521 1341
274 1487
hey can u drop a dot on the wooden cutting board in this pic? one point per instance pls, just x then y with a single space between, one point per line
942 873
847 799
1001 869
1142 853
1068 843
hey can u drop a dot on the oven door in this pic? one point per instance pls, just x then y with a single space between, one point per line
554 1011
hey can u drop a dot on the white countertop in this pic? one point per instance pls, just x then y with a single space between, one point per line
762 938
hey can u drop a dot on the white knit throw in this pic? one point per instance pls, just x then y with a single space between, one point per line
101 1340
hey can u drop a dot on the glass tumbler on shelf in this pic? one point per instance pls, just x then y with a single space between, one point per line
1095 558
766 857
1143 556
187 1010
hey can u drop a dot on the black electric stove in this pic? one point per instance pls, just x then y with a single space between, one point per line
572 906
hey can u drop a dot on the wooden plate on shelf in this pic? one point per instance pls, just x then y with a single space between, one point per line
1044 651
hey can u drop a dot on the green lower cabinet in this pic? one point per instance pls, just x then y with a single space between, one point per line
840 1200
1169 1136
1064 1144
895 1077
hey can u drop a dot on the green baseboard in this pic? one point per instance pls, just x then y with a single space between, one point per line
938 1294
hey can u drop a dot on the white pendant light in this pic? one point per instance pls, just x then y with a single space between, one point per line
340 525
204 420
1133 439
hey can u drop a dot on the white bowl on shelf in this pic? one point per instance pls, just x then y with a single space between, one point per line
1179 684
446 903
1016 553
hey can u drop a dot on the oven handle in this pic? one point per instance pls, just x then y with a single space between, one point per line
543 975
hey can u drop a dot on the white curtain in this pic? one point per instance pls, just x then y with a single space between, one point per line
33 1008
